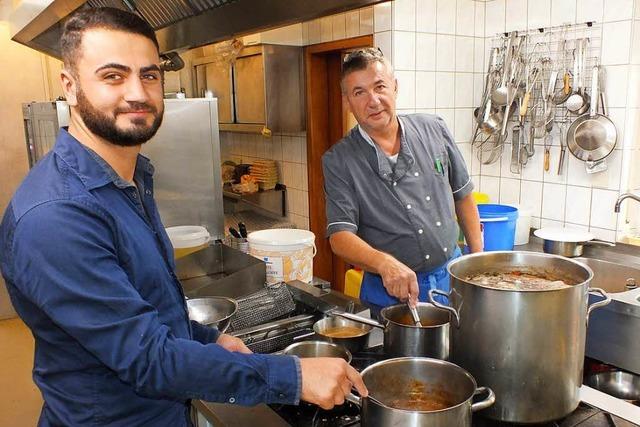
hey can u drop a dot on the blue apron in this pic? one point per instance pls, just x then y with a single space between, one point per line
373 291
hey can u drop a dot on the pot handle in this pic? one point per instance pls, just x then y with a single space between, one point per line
490 399
596 242
605 301
356 400
359 319
451 310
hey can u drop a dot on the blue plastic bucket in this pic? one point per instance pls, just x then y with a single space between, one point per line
499 226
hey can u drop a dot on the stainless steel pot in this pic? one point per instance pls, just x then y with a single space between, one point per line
403 338
353 343
567 242
417 382
528 346
623 385
212 311
318 349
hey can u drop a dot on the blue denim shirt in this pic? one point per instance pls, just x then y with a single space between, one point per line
89 268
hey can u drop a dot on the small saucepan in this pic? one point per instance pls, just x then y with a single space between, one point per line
401 336
318 349
567 242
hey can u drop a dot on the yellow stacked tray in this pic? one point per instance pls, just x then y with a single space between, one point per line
265 172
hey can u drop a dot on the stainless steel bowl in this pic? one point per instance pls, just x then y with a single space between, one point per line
212 311
318 349
622 385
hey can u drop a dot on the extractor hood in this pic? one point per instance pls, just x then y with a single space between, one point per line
186 24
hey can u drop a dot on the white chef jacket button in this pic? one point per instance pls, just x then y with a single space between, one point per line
427 256
408 206
428 198
416 174
420 231
445 249
232 400
438 223
395 183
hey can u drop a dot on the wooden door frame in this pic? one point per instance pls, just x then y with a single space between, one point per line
324 128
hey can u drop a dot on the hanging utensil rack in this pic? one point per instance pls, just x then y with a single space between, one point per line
548 50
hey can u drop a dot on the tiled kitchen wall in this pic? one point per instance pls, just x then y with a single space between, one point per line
290 150
577 199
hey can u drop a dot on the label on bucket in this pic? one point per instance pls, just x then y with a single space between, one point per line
275 268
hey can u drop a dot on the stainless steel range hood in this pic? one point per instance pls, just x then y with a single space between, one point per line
185 24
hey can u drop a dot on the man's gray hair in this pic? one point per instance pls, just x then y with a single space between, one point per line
360 59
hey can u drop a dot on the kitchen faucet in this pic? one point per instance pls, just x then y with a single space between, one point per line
625 196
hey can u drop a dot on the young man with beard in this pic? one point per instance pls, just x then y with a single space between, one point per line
394 186
90 270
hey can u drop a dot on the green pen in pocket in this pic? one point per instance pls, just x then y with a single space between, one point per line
439 168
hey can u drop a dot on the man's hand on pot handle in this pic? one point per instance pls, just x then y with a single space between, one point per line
327 380
399 280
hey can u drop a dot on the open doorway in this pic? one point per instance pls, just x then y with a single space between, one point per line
327 122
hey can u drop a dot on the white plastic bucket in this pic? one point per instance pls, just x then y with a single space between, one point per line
288 253
523 225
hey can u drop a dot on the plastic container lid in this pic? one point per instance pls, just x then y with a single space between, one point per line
187 236
281 237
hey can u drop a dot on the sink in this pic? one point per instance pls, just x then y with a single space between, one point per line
612 332
610 276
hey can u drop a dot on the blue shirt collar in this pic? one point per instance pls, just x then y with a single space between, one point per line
83 160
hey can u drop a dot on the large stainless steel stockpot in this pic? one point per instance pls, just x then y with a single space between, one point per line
403 338
419 382
528 346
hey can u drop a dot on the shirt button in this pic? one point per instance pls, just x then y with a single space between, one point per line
281 395
445 249
232 400
438 223
134 195
395 183
428 198
427 256
408 206
420 231
148 192
416 174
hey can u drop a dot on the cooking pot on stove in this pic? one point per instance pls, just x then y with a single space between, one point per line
403 338
419 391
527 345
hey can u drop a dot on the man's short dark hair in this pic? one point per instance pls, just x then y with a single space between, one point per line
360 59
108 18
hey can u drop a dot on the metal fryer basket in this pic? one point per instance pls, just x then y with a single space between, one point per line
259 307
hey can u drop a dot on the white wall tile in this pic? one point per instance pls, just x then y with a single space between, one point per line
602 214
505 169
463 90
445 53
618 117
492 169
463 125
539 13
516 15
635 44
406 89
632 129
478 87
305 178
544 223
616 82
563 12
578 205
276 148
338 25
445 87
366 20
465 150
576 172
533 170
553 201
326 29
426 16
616 43
382 17
291 150
446 16
448 115
552 174
535 222
633 100
352 22
404 15
602 234
465 17
491 186
589 10
404 50
464 54
425 89
314 32
478 55
495 17
610 178
479 19
509 191
617 10
384 42
425 52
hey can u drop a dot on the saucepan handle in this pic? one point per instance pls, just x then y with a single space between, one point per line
605 301
360 319
356 400
451 310
488 401
596 242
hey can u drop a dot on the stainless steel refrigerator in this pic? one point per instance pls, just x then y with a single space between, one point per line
185 153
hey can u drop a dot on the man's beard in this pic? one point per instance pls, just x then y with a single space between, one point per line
104 125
